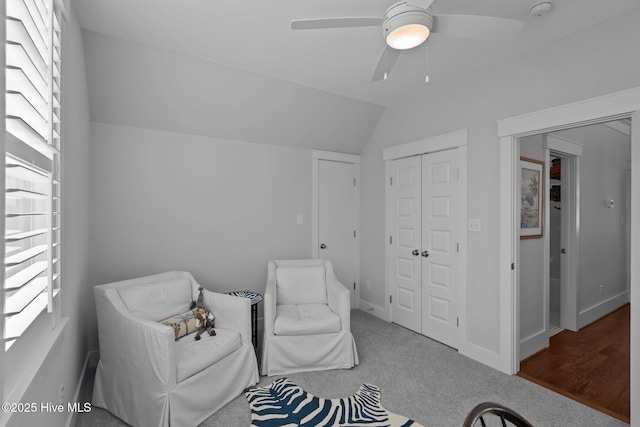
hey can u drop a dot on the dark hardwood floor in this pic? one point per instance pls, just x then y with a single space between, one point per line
591 366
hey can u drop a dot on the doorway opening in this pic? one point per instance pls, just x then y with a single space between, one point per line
577 272
557 238
609 107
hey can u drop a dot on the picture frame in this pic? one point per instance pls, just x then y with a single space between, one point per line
531 198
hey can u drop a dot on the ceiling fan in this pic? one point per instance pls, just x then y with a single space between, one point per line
407 25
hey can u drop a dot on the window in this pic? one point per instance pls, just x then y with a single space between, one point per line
32 164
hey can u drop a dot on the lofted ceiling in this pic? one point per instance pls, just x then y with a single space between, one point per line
256 36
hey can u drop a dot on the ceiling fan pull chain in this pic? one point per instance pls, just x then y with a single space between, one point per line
426 79
385 63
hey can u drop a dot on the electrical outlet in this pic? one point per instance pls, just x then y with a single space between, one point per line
368 284
300 220
601 290
473 225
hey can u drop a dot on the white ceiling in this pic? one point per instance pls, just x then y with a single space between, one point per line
255 35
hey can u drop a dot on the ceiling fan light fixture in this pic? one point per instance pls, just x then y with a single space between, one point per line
407 26
407 36
540 7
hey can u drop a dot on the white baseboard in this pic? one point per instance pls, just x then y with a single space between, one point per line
603 308
379 312
484 356
533 343
91 359
45 351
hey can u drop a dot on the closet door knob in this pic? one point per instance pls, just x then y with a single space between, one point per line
323 246
416 252
425 254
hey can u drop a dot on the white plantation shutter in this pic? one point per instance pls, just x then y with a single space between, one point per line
32 163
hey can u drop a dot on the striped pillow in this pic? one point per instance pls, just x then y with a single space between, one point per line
182 324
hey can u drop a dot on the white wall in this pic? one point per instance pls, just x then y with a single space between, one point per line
532 313
578 67
220 209
603 231
64 363
135 85
75 205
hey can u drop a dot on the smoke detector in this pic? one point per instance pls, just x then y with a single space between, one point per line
539 8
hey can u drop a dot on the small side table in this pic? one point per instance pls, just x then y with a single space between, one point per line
255 299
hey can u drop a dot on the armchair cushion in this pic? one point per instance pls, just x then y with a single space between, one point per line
158 301
301 285
305 319
194 356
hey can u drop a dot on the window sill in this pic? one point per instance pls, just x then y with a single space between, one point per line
35 368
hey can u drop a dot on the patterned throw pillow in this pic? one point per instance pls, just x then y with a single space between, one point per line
182 324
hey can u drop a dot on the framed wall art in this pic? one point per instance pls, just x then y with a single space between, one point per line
531 199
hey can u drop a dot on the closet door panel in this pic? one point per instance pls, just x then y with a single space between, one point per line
406 274
439 246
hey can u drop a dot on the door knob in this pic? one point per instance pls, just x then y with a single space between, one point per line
323 246
416 252
425 253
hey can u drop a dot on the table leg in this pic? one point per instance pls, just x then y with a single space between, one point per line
254 325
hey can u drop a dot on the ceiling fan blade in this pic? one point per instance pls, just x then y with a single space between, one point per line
476 27
322 23
385 63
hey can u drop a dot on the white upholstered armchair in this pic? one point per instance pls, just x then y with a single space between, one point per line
148 378
307 319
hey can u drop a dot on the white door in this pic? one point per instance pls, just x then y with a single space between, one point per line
336 220
439 253
406 242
